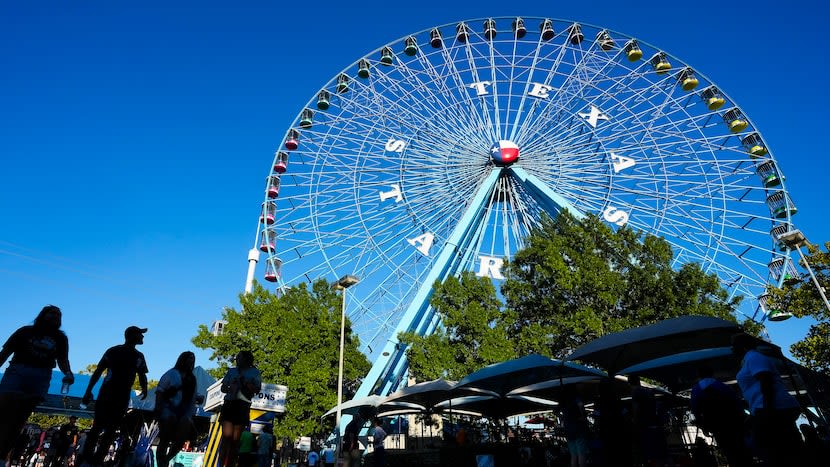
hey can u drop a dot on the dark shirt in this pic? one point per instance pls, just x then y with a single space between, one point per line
715 405
350 435
646 405
123 363
37 348
66 434
573 418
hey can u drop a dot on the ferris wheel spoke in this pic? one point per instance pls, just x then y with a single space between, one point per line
416 88
490 129
529 117
570 86
408 121
569 91
476 118
556 127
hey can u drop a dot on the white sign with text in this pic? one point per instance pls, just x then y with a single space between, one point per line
270 398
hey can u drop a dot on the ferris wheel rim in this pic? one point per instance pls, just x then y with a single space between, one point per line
345 71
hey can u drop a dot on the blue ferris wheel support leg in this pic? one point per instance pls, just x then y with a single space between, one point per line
552 202
389 368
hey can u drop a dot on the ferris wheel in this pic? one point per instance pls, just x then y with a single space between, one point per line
440 151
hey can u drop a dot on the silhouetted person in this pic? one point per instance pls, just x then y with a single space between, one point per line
648 427
122 364
378 437
266 443
350 445
614 432
247 448
240 384
774 411
576 426
815 449
720 412
34 350
175 406
702 454
64 441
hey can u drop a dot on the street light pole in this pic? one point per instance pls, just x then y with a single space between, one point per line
342 284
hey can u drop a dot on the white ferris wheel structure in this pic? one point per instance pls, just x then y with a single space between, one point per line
439 152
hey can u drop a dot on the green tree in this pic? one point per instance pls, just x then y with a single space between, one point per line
577 280
572 282
44 420
474 331
295 340
802 299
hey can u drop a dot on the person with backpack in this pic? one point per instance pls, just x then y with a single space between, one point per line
240 384
175 406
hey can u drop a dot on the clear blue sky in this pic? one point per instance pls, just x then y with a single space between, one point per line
135 139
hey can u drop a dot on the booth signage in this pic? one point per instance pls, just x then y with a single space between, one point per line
270 398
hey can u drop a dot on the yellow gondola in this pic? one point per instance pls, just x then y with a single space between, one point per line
687 79
754 145
735 120
633 51
713 98
660 63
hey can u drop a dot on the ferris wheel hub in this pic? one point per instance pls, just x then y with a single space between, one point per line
504 152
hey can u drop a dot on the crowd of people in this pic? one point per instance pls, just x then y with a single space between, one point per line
55 446
35 350
756 423
753 422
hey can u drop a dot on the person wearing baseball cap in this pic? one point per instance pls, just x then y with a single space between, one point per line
122 363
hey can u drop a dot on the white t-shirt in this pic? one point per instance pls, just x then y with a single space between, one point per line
755 363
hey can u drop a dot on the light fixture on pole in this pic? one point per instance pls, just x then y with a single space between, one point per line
795 239
342 284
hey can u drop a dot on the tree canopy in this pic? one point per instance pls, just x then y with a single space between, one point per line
572 282
474 332
295 340
802 299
